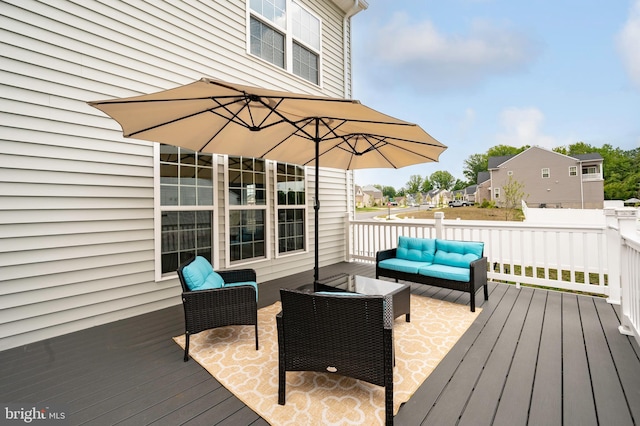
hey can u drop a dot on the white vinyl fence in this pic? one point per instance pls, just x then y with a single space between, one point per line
567 257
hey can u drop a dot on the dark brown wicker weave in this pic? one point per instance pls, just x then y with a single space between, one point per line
207 309
347 335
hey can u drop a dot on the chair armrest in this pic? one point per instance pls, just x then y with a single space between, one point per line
212 296
385 254
238 275
478 271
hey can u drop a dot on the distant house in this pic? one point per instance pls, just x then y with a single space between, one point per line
360 197
436 197
483 187
550 179
374 195
469 193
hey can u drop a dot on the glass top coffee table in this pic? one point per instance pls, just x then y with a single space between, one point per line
399 293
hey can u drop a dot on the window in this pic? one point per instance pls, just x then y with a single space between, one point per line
291 208
573 171
286 35
510 173
590 170
545 172
247 208
186 206
496 193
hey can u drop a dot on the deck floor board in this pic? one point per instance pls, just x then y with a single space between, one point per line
531 357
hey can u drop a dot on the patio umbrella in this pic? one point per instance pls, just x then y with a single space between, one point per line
224 118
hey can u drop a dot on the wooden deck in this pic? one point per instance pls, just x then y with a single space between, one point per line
531 357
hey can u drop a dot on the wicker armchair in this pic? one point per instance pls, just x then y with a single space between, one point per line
232 304
347 335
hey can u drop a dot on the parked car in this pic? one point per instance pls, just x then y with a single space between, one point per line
458 203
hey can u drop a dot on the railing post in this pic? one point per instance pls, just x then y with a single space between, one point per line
627 218
347 231
439 216
614 253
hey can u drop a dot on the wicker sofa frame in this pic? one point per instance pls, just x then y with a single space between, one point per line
347 335
477 277
207 309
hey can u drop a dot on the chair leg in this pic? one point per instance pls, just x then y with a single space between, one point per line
256 336
388 402
186 347
282 384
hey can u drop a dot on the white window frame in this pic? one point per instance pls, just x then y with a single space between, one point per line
510 173
548 173
573 170
158 208
304 207
287 32
268 220
496 193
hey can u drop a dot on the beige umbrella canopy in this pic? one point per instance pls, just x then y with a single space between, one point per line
224 118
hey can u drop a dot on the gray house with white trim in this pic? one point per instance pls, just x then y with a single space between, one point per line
92 225
550 179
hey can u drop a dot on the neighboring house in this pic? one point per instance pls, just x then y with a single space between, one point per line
437 197
360 197
550 179
92 228
469 193
458 194
375 197
483 187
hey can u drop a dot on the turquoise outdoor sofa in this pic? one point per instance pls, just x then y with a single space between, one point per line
457 265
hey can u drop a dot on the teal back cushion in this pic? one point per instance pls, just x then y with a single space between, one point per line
213 280
197 275
457 253
416 249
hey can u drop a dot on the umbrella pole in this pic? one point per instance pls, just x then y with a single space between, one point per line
316 208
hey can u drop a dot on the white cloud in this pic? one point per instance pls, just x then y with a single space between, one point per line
418 54
628 41
523 127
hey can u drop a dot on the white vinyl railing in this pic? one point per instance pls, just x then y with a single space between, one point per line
630 279
595 259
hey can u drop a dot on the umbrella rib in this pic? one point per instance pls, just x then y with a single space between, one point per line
374 146
184 117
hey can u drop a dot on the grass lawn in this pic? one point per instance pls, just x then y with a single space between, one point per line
466 213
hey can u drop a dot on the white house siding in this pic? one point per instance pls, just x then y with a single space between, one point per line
76 199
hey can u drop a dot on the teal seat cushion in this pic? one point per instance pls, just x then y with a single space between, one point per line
251 283
457 253
402 265
213 280
416 249
196 273
446 272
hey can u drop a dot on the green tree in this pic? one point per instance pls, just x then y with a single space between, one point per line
513 194
442 180
388 191
427 185
473 165
502 150
414 184
460 184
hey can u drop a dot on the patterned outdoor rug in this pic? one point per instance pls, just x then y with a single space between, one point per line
229 354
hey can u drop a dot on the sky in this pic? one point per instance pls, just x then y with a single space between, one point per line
479 73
